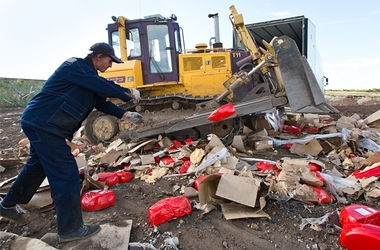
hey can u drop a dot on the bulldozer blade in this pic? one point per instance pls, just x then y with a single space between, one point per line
301 86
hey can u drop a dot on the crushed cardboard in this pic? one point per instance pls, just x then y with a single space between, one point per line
373 120
235 188
312 148
233 211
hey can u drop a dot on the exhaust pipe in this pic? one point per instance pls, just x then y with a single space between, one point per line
217 43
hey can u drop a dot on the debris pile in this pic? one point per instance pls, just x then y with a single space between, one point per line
327 161
310 158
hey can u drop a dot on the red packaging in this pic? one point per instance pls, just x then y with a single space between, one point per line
222 112
199 180
167 160
184 167
361 227
360 174
97 200
360 236
124 176
276 175
352 156
126 166
157 159
359 214
292 129
314 167
264 166
110 178
323 196
312 129
175 145
188 141
319 176
168 209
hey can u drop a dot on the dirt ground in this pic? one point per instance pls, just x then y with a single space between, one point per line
194 231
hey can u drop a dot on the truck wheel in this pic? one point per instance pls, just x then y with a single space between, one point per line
104 128
100 127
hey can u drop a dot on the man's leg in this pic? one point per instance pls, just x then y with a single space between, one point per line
63 175
62 172
26 184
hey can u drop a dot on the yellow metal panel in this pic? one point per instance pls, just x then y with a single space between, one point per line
207 85
127 74
193 63
203 74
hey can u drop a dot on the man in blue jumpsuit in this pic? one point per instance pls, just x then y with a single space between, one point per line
51 117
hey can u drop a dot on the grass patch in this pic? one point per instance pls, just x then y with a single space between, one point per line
373 94
354 90
18 92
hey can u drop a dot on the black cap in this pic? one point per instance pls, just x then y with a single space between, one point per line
105 49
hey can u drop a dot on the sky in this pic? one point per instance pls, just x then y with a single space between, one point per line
37 36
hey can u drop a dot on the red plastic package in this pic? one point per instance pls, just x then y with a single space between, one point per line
184 167
157 159
323 196
359 214
312 129
319 176
360 236
168 209
222 112
167 160
368 172
292 129
110 178
360 227
175 145
97 200
124 176
188 141
314 167
264 166
199 180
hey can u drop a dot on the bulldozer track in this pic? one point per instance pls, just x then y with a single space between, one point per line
158 112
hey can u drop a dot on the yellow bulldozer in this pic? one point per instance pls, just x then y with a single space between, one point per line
180 88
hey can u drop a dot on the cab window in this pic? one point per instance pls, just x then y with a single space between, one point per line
159 49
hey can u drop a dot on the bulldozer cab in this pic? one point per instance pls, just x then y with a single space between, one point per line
154 41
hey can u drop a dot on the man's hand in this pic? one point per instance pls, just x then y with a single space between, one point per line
135 94
134 117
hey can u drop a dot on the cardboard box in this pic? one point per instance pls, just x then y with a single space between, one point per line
242 190
263 144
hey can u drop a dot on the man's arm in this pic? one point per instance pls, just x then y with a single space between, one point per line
110 108
79 73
